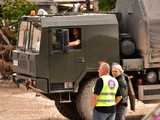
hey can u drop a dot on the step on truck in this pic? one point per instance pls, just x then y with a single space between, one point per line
129 35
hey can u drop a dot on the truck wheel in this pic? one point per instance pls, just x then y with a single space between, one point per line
68 110
83 100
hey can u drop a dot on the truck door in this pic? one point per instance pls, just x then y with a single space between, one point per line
66 63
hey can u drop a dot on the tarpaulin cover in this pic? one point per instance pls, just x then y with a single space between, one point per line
151 9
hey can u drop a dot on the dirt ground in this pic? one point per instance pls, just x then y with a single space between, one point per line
141 109
20 104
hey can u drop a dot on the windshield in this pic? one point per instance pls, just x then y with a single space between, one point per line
29 37
23 35
36 36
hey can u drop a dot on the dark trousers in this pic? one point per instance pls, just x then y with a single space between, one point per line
121 111
103 116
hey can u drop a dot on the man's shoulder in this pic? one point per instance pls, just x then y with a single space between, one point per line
125 76
109 77
112 77
99 79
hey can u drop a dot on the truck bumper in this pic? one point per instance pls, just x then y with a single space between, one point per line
39 83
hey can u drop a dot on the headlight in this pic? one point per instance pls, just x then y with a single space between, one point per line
152 77
15 62
68 84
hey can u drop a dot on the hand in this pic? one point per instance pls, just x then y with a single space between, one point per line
74 43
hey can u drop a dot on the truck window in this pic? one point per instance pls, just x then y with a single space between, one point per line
73 36
55 42
35 38
24 35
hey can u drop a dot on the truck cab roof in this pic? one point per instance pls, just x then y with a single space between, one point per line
74 20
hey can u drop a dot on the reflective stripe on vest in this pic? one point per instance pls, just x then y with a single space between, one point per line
107 95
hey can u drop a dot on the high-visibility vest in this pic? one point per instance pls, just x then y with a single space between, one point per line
108 92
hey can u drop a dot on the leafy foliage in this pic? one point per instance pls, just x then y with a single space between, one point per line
11 12
106 5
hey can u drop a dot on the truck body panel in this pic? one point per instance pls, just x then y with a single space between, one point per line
55 66
142 21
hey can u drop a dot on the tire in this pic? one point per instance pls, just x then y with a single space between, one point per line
83 100
68 110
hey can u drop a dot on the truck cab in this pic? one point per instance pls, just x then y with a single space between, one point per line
44 56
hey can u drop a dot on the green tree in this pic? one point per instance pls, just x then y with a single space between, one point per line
106 5
11 12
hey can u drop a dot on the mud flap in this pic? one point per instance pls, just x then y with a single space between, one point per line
131 94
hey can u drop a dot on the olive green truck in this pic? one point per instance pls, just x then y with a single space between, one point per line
130 36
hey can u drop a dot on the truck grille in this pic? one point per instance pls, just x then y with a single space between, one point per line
56 86
23 65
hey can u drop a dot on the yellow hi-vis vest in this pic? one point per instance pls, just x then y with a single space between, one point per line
108 92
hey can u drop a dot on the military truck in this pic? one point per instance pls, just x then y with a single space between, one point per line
129 35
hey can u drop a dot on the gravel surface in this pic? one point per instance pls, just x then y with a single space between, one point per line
20 104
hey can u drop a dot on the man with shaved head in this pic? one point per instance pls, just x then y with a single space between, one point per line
106 94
